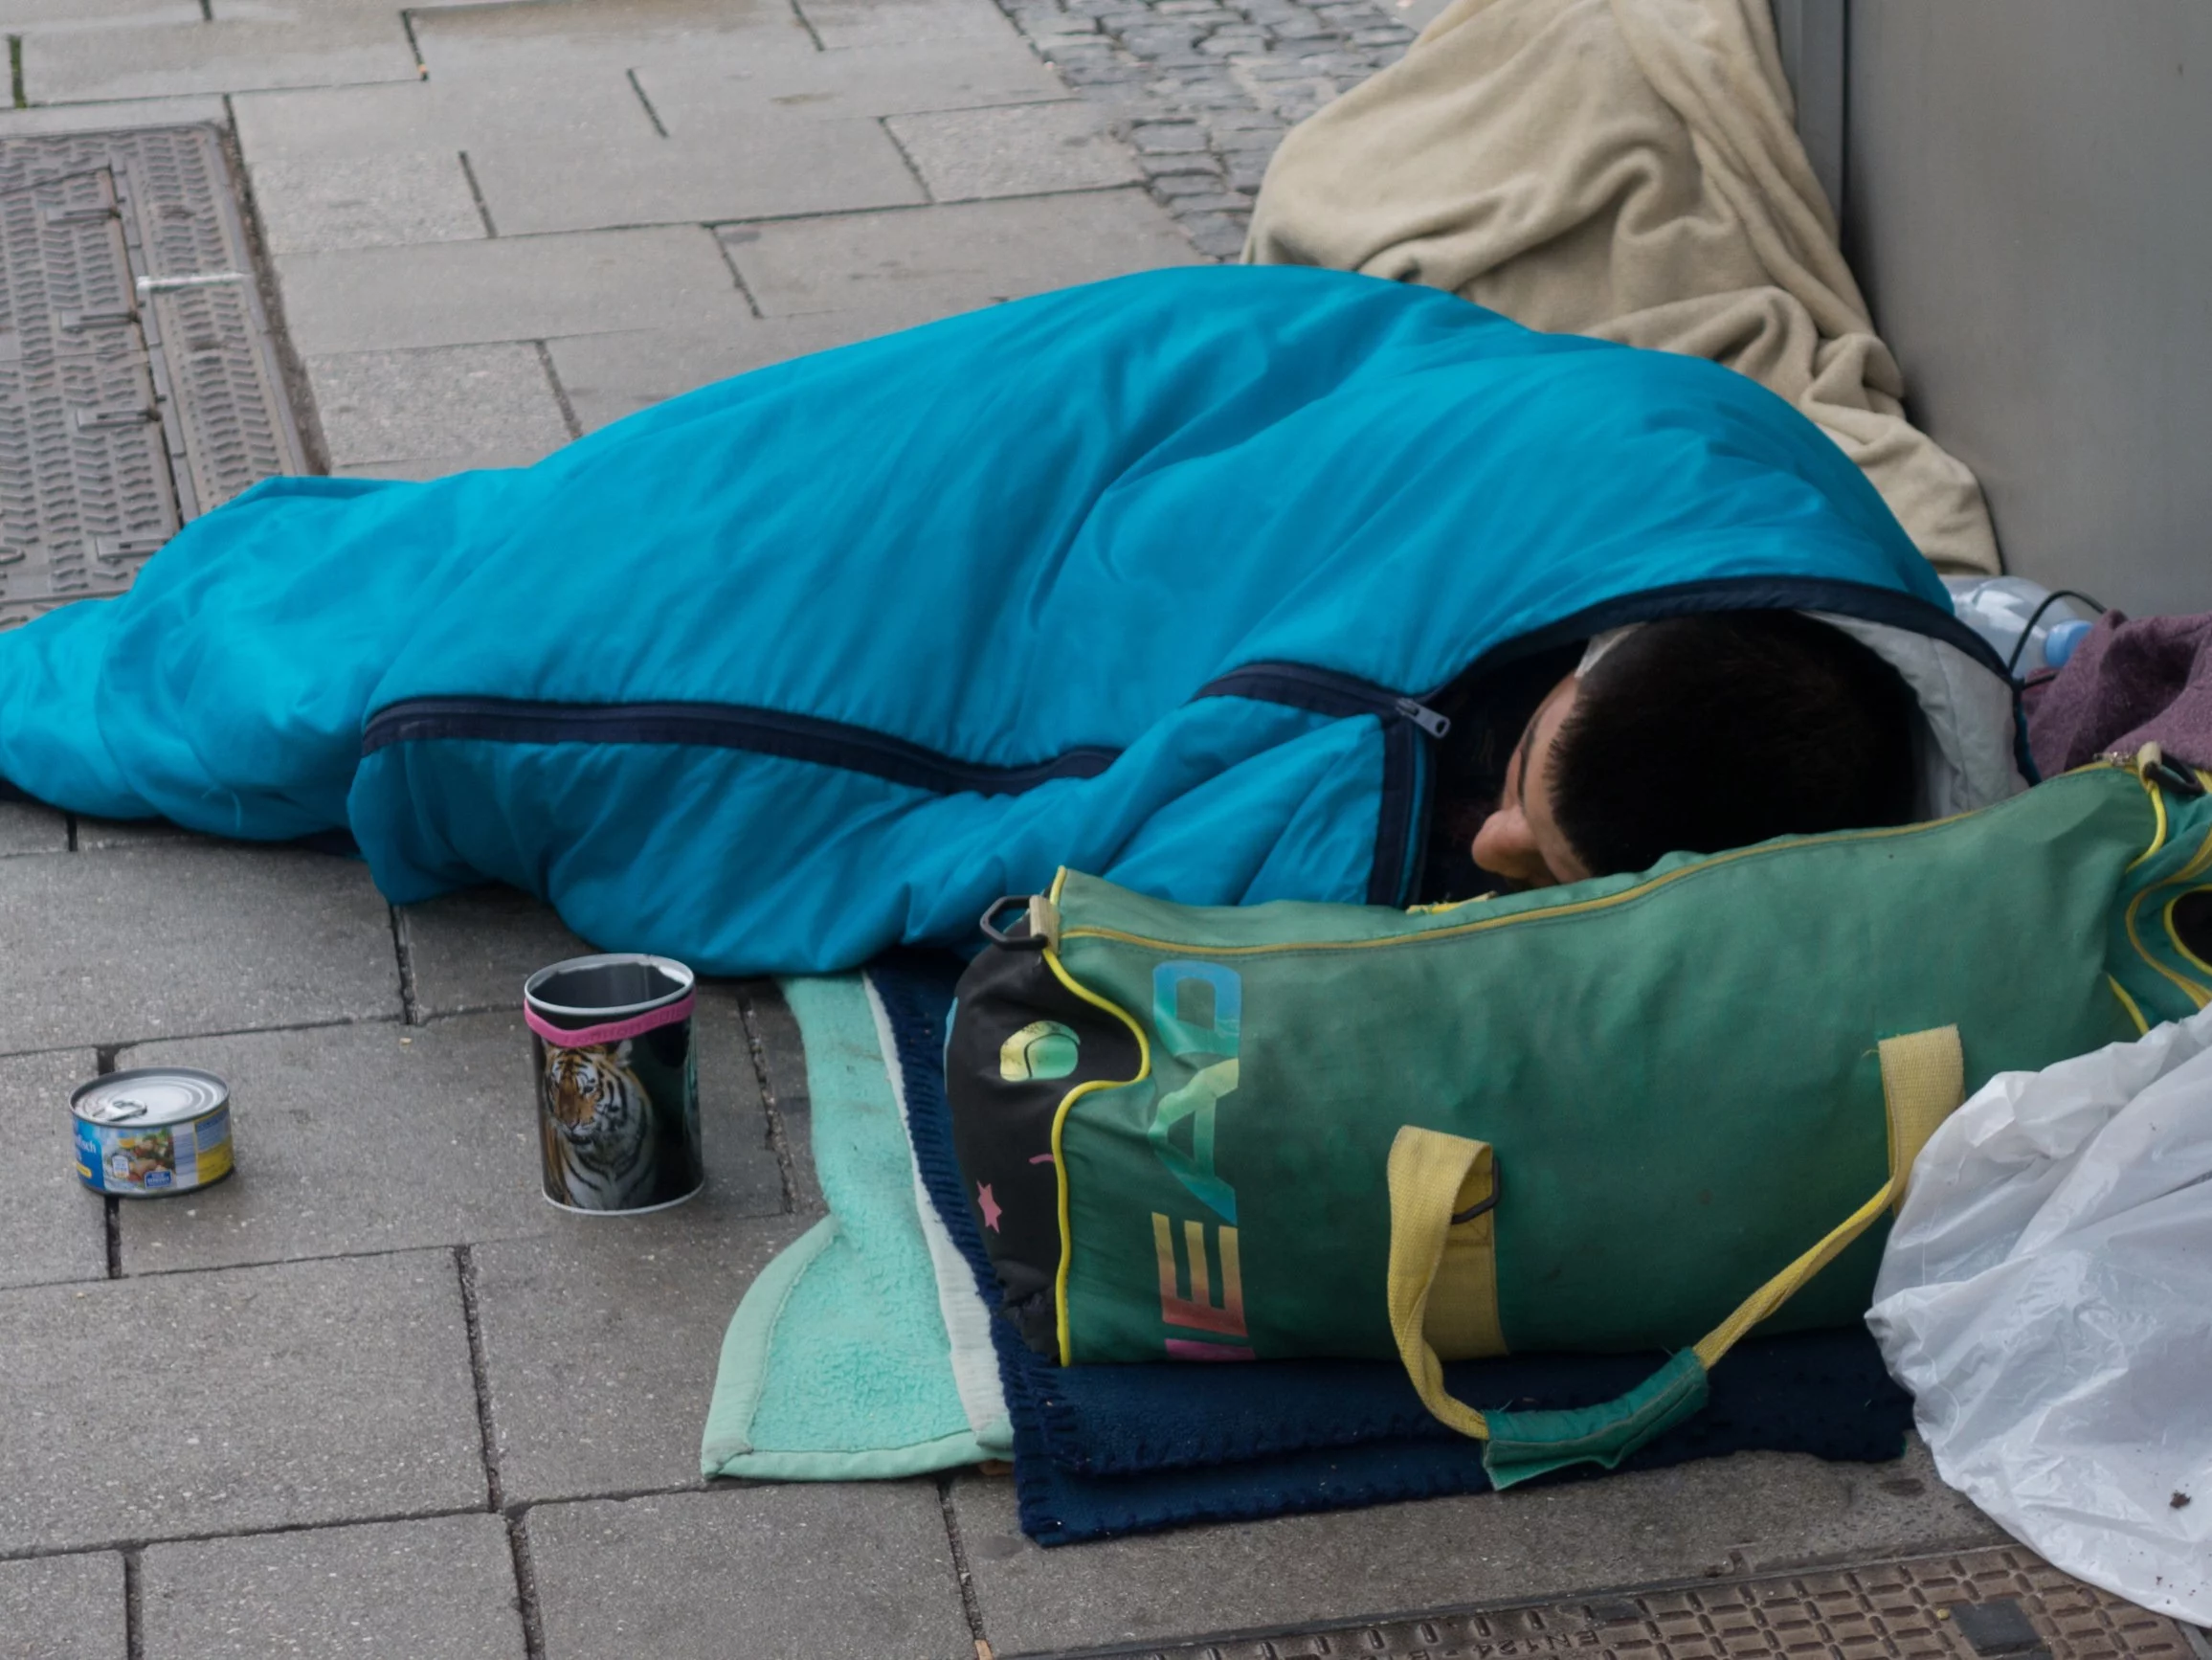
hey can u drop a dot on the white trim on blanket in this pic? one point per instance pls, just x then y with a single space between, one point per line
967 1319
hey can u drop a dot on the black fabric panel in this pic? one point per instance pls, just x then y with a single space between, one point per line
2193 922
1001 1127
1395 869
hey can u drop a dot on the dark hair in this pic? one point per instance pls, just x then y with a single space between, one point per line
1700 734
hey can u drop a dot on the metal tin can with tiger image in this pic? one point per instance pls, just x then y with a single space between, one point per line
617 1083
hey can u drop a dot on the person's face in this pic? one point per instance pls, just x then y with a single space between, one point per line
1521 840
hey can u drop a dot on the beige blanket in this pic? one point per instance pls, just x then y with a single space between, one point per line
1629 169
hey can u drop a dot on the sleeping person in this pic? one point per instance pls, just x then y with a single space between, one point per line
1689 735
1220 583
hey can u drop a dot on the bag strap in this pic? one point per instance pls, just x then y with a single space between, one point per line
1923 1081
1427 1169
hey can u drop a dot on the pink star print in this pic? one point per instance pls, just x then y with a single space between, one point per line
988 1206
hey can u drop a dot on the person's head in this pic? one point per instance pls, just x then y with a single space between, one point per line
1700 734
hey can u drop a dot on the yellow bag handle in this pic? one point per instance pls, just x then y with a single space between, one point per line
1923 1081
1427 1169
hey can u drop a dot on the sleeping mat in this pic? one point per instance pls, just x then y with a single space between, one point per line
1149 579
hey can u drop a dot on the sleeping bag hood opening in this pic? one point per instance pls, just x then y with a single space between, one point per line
1969 742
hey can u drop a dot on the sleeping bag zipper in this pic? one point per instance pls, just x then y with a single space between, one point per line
720 727
854 749
1399 830
1323 692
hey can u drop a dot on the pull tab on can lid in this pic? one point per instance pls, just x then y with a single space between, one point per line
149 1096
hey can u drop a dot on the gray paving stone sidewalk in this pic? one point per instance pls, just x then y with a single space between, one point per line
69 1608
288 1395
434 1590
1712 1519
371 1395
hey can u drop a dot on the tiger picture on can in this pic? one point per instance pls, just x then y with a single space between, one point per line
607 1143
617 1083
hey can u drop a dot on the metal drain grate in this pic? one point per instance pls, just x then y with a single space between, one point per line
139 386
2004 1602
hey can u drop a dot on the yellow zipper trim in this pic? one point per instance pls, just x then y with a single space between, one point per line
2186 876
1444 905
2173 933
1060 1125
2134 1013
2158 803
1460 930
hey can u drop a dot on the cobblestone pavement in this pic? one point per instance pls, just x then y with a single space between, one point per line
371 1395
1205 91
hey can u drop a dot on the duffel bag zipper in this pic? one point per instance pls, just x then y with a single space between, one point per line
1574 909
1481 924
2155 775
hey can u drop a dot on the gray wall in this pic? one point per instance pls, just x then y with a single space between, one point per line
2025 188
1811 34
2027 200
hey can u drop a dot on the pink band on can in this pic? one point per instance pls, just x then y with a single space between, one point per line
614 1031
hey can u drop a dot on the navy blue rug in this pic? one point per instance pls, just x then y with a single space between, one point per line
1101 1451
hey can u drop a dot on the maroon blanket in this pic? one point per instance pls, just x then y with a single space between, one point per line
2126 685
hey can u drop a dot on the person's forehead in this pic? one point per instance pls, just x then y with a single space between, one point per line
1562 698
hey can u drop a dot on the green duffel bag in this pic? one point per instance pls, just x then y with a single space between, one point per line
1638 1112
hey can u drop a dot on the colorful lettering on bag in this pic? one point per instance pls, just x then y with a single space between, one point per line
1198 1311
1183 1349
1197 1010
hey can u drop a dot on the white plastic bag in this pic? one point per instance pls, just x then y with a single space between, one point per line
2046 1296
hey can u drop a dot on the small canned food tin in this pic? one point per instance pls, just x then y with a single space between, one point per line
154 1130
617 1081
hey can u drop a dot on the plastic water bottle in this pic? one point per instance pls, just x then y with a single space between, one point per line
1998 608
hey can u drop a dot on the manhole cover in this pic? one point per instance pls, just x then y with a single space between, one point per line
1976 1605
139 386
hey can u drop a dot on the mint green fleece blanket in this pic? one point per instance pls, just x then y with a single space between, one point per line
863 1350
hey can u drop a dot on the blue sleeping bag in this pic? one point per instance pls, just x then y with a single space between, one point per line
1146 577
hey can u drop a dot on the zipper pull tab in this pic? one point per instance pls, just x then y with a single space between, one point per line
1424 717
2150 764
